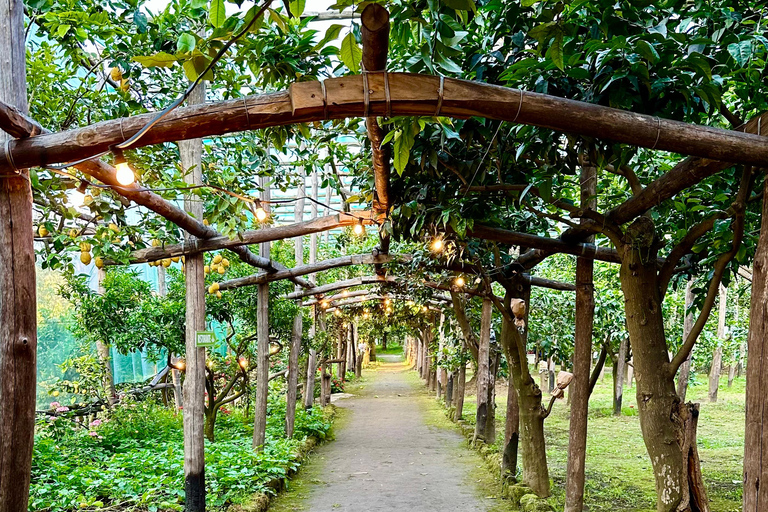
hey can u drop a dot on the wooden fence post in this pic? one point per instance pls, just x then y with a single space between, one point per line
18 292
191 153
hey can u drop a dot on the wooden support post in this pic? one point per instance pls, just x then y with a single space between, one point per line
18 292
755 496
309 387
105 359
582 358
262 350
298 324
717 358
162 290
619 366
458 414
483 371
191 153
685 368
441 375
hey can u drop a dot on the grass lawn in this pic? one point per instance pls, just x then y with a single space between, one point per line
618 470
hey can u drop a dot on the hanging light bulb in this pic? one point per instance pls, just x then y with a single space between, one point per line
459 282
78 196
437 245
337 312
359 229
324 304
243 363
345 293
123 172
260 212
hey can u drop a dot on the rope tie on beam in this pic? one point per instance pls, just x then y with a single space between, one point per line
325 99
658 132
588 250
519 106
247 116
122 133
366 95
440 94
9 158
387 94
367 91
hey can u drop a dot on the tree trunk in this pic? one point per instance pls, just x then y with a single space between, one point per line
490 423
384 341
191 153
685 369
511 433
18 292
755 496
105 359
582 359
483 371
619 365
449 390
372 351
262 347
664 421
532 444
731 374
162 290
717 358
210 422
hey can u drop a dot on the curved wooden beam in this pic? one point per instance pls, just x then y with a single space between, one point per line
410 95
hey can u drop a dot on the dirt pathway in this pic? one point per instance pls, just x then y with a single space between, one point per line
391 454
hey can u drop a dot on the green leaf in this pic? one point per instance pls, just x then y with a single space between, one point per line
529 3
351 53
461 5
62 30
186 43
542 32
297 7
403 143
741 52
330 34
217 13
249 17
646 50
160 60
140 20
556 50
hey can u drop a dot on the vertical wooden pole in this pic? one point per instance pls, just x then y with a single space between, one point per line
755 495
262 350
582 358
18 295
191 153
298 323
483 370
461 382
717 358
685 368
618 376
162 290
512 420
441 376
309 387
102 350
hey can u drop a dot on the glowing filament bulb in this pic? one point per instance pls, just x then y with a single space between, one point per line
437 245
359 229
261 214
124 175
459 282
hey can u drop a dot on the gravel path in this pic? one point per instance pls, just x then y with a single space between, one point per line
386 456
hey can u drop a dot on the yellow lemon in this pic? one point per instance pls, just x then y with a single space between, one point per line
98 262
42 231
217 259
85 257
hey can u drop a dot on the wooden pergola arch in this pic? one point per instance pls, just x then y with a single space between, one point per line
376 93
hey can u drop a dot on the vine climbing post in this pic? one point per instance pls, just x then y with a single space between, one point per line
483 370
582 358
18 294
191 153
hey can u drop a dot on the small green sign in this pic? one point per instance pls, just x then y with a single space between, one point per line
205 339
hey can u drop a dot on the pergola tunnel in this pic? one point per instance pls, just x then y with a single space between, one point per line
575 187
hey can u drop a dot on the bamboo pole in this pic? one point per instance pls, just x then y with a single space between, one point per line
298 323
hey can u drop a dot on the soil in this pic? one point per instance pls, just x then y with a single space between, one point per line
394 450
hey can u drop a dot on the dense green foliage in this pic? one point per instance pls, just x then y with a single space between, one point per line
132 459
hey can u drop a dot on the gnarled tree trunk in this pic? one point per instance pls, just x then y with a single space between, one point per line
664 420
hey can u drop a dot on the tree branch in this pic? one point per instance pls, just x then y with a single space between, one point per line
722 262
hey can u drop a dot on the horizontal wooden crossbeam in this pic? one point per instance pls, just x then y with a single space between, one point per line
302 270
409 95
267 234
